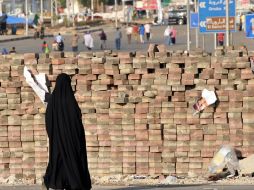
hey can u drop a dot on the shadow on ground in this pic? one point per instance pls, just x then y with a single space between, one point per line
148 187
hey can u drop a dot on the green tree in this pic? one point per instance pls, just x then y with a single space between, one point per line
87 3
63 3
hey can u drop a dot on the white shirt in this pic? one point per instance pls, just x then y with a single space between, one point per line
59 38
166 32
129 30
88 40
147 28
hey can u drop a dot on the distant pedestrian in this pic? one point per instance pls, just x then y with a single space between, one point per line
54 46
220 38
241 23
173 35
141 33
148 31
118 37
45 47
60 42
42 31
129 31
167 37
74 42
13 50
135 32
59 38
103 38
88 40
36 33
14 29
4 51
242 18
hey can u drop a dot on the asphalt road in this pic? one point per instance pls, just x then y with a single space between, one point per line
167 187
31 45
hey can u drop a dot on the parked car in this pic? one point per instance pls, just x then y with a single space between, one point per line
177 17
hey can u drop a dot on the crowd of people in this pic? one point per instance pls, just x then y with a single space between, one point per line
135 33
139 33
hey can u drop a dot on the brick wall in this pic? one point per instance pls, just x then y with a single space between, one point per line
137 112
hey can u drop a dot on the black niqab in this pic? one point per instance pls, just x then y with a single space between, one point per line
67 167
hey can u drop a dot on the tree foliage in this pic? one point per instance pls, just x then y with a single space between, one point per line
63 3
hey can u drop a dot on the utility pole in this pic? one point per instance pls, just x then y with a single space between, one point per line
92 11
1 6
68 12
26 7
196 30
123 3
116 14
42 11
73 15
13 6
188 25
52 12
159 12
227 23
215 40
56 7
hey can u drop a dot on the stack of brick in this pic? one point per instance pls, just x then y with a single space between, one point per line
137 111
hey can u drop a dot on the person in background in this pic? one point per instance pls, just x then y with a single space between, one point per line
42 31
220 38
54 46
103 38
88 40
36 33
74 42
14 29
45 47
60 42
118 37
173 35
148 31
141 33
129 31
13 50
59 38
242 18
167 32
135 32
241 23
4 51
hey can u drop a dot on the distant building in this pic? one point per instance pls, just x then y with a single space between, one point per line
18 6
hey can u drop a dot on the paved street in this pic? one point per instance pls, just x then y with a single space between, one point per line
167 187
31 45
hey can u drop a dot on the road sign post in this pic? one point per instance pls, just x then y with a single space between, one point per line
196 30
188 25
249 23
212 15
227 23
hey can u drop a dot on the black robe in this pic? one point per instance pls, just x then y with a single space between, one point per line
67 167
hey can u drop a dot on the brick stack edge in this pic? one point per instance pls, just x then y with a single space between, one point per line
137 111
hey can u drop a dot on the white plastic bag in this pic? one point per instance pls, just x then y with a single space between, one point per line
225 157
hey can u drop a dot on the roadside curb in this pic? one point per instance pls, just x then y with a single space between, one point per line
22 38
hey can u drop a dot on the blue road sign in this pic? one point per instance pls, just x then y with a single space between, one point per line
249 23
194 20
212 15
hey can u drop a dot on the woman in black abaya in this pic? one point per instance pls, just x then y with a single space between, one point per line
67 167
